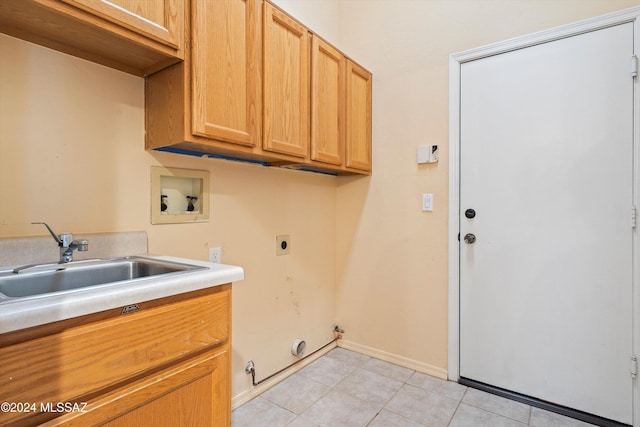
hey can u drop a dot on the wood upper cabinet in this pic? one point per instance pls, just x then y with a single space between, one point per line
225 69
328 68
245 91
212 103
160 20
286 84
358 118
138 37
340 110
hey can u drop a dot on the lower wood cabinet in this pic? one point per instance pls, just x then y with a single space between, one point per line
167 364
192 394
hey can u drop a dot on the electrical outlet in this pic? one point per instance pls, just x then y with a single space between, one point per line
215 255
283 244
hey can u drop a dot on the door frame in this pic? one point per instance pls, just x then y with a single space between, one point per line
455 61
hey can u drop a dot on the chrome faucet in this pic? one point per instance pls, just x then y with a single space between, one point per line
67 244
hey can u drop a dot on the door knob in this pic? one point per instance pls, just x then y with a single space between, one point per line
469 238
470 213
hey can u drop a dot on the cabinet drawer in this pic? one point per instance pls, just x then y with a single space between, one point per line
77 363
184 395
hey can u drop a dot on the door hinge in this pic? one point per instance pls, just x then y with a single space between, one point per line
634 217
634 366
634 66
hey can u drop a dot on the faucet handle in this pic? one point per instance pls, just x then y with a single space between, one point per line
55 237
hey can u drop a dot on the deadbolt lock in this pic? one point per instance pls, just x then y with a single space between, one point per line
469 238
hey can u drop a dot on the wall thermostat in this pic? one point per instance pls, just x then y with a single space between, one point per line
428 154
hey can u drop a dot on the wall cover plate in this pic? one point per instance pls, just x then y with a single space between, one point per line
283 244
179 195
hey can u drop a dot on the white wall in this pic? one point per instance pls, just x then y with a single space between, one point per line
363 253
72 154
392 257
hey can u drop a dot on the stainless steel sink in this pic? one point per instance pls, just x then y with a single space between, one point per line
48 278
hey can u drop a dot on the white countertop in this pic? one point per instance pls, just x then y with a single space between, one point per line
20 313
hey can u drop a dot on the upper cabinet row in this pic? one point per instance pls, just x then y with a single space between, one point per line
234 78
138 37
256 84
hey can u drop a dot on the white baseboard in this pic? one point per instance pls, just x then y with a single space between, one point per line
247 395
425 368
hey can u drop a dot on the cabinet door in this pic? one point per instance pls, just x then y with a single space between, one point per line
358 117
160 20
194 393
226 86
86 359
327 103
286 84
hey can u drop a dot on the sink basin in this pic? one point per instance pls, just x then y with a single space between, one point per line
51 278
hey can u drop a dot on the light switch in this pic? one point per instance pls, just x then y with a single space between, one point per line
427 202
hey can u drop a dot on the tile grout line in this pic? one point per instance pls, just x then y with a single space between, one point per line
404 382
385 404
358 365
309 406
457 407
496 413
391 398
330 388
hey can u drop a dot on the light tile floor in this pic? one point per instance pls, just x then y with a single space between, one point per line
348 389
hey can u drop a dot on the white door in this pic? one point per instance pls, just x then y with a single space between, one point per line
546 163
